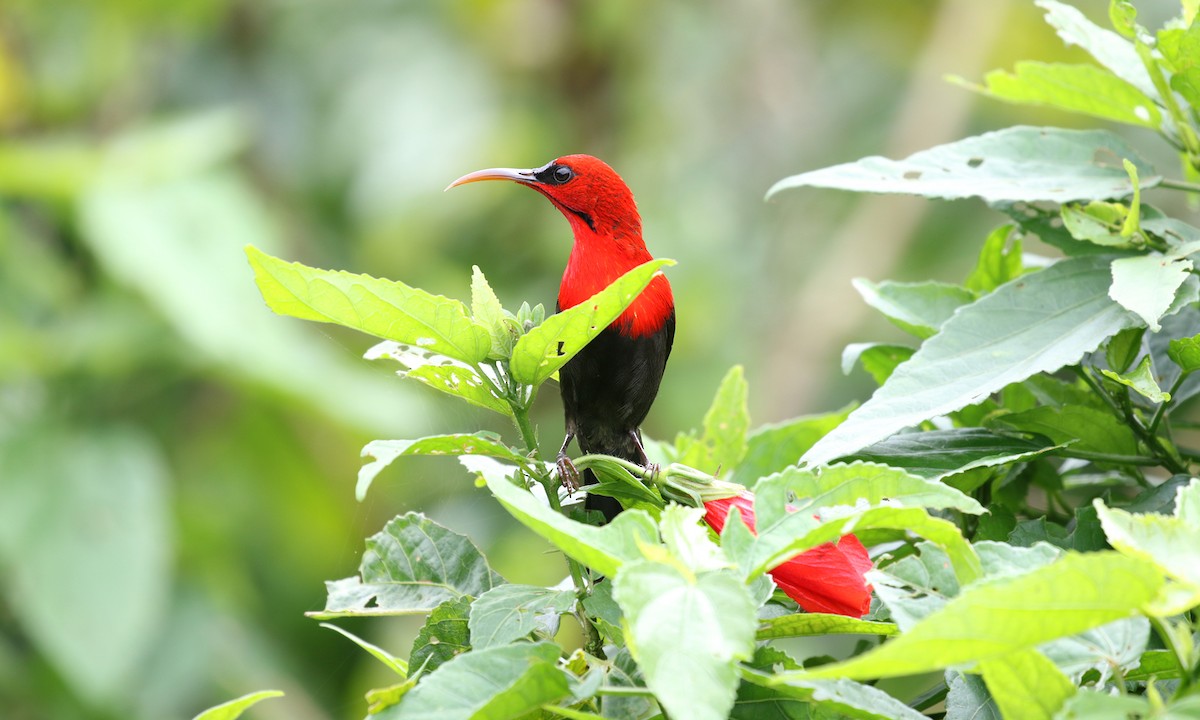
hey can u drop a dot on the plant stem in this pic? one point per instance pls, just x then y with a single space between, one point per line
623 690
1162 407
1168 639
1179 185
1146 460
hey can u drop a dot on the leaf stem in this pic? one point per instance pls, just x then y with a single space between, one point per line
623 690
1168 639
1162 407
1179 185
1144 460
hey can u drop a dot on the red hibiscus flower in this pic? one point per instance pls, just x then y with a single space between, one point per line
827 578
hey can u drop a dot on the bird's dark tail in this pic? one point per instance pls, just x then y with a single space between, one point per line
626 448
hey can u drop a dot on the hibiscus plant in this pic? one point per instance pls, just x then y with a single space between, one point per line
1010 522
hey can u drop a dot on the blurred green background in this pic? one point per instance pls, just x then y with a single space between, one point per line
177 464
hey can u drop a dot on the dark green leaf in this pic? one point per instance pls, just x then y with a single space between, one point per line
1124 347
508 681
411 566
1016 164
510 612
1092 430
1185 352
445 635
940 453
1036 323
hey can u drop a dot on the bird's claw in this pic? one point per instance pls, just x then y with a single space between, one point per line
568 475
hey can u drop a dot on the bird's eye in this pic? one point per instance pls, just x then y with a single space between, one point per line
562 174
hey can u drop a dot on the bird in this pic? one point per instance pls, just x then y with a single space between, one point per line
609 386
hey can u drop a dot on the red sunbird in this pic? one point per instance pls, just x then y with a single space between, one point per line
608 388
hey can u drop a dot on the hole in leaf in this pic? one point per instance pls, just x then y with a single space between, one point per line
912 175
560 348
975 162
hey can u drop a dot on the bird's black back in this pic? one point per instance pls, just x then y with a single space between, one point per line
607 390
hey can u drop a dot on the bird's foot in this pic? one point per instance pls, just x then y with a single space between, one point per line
652 469
568 475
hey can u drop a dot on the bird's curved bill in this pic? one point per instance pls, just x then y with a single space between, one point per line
521 176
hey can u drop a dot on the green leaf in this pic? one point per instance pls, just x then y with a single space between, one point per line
603 549
996 265
508 681
1185 352
487 311
1016 164
917 308
771 448
1091 430
1123 16
969 699
1108 48
384 308
1117 646
682 627
806 624
510 612
234 708
941 453
838 698
1036 323
1097 222
1141 380
1171 543
411 566
393 663
687 540
1100 705
385 451
1159 664
546 348
444 636
85 550
443 374
1146 285
1027 685
726 425
1124 347
915 586
1084 89
878 359
991 620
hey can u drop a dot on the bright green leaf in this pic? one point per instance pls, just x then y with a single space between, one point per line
508 681
603 549
1185 352
771 448
1027 685
1141 380
1146 284
411 566
1036 323
393 663
997 264
442 374
546 348
941 453
1098 222
234 708
683 627
385 451
917 308
1123 16
991 620
1108 48
510 612
1170 542
726 424
806 624
487 311
384 308
1084 89
1012 165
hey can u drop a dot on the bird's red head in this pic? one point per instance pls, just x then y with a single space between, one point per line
607 229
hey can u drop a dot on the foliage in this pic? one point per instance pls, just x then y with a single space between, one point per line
1022 475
